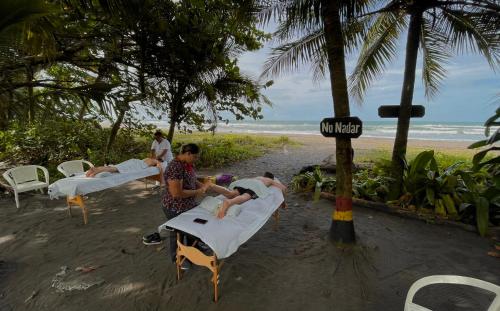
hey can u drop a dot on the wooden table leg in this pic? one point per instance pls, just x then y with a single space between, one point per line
78 200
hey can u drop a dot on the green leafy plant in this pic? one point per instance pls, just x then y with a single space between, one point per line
313 181
425 185
369 185
481 186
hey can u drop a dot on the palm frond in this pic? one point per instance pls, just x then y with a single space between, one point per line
379 49
319 65
14 12
435 53
300 18
291 56
472 33
354 31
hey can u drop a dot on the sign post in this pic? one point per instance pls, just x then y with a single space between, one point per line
346 127
342 228
392 111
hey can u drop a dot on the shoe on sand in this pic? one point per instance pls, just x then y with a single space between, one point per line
186 265
150 236
152 239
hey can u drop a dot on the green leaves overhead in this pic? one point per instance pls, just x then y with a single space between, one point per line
300 34
447 27
380 48
108 57
435 54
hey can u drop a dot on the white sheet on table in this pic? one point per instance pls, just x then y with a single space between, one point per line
82 185
225 235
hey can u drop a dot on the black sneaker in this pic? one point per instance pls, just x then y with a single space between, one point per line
204 248
150 236
152 239
186 265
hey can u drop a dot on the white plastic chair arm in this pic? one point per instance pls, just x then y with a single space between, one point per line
88 163
45 173
8 179
452 279
60 169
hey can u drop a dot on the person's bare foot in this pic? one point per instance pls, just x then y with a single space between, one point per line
222 210
91 172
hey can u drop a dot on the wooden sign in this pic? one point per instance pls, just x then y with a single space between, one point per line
346 127
392 111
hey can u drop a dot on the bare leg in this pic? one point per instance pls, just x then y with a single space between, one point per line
152 162
230 202
158 164
271 182
224 191
99 169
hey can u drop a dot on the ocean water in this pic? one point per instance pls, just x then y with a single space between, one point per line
448 131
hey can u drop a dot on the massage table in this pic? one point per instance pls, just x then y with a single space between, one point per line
224 236
76 187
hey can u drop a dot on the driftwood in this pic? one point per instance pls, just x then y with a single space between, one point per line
382 207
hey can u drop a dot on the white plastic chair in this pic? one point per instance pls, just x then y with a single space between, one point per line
70 168
25 178
451 279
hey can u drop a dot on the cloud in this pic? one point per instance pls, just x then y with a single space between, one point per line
465 95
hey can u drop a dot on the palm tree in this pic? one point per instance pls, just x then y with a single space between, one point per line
437 28
24 25
325 29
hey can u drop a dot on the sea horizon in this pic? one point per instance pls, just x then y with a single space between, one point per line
421 130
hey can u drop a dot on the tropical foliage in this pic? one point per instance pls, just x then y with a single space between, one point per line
55 142
460 192
121 61
436 28
481 188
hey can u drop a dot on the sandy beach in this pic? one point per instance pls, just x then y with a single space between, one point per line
293 268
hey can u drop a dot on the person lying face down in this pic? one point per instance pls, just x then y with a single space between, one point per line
239 195
124 167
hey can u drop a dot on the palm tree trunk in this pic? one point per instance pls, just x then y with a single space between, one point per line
171 129
83 109
31 99
401 141
4 111
342 227
112 135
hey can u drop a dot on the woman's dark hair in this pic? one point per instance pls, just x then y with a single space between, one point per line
158 133
192 148
269 175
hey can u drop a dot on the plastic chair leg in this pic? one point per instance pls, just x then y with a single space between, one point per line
16 197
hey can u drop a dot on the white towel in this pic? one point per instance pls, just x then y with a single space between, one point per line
82 185
224 236
213 204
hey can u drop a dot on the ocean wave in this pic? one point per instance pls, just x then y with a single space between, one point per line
371 129
421 138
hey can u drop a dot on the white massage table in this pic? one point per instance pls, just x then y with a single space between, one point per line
224 236
75 187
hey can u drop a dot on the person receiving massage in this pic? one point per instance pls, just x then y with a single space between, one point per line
239 195
124 167
182 187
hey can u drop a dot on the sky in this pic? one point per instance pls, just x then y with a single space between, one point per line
467 94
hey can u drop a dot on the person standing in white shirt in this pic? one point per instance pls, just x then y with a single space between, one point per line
161 149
